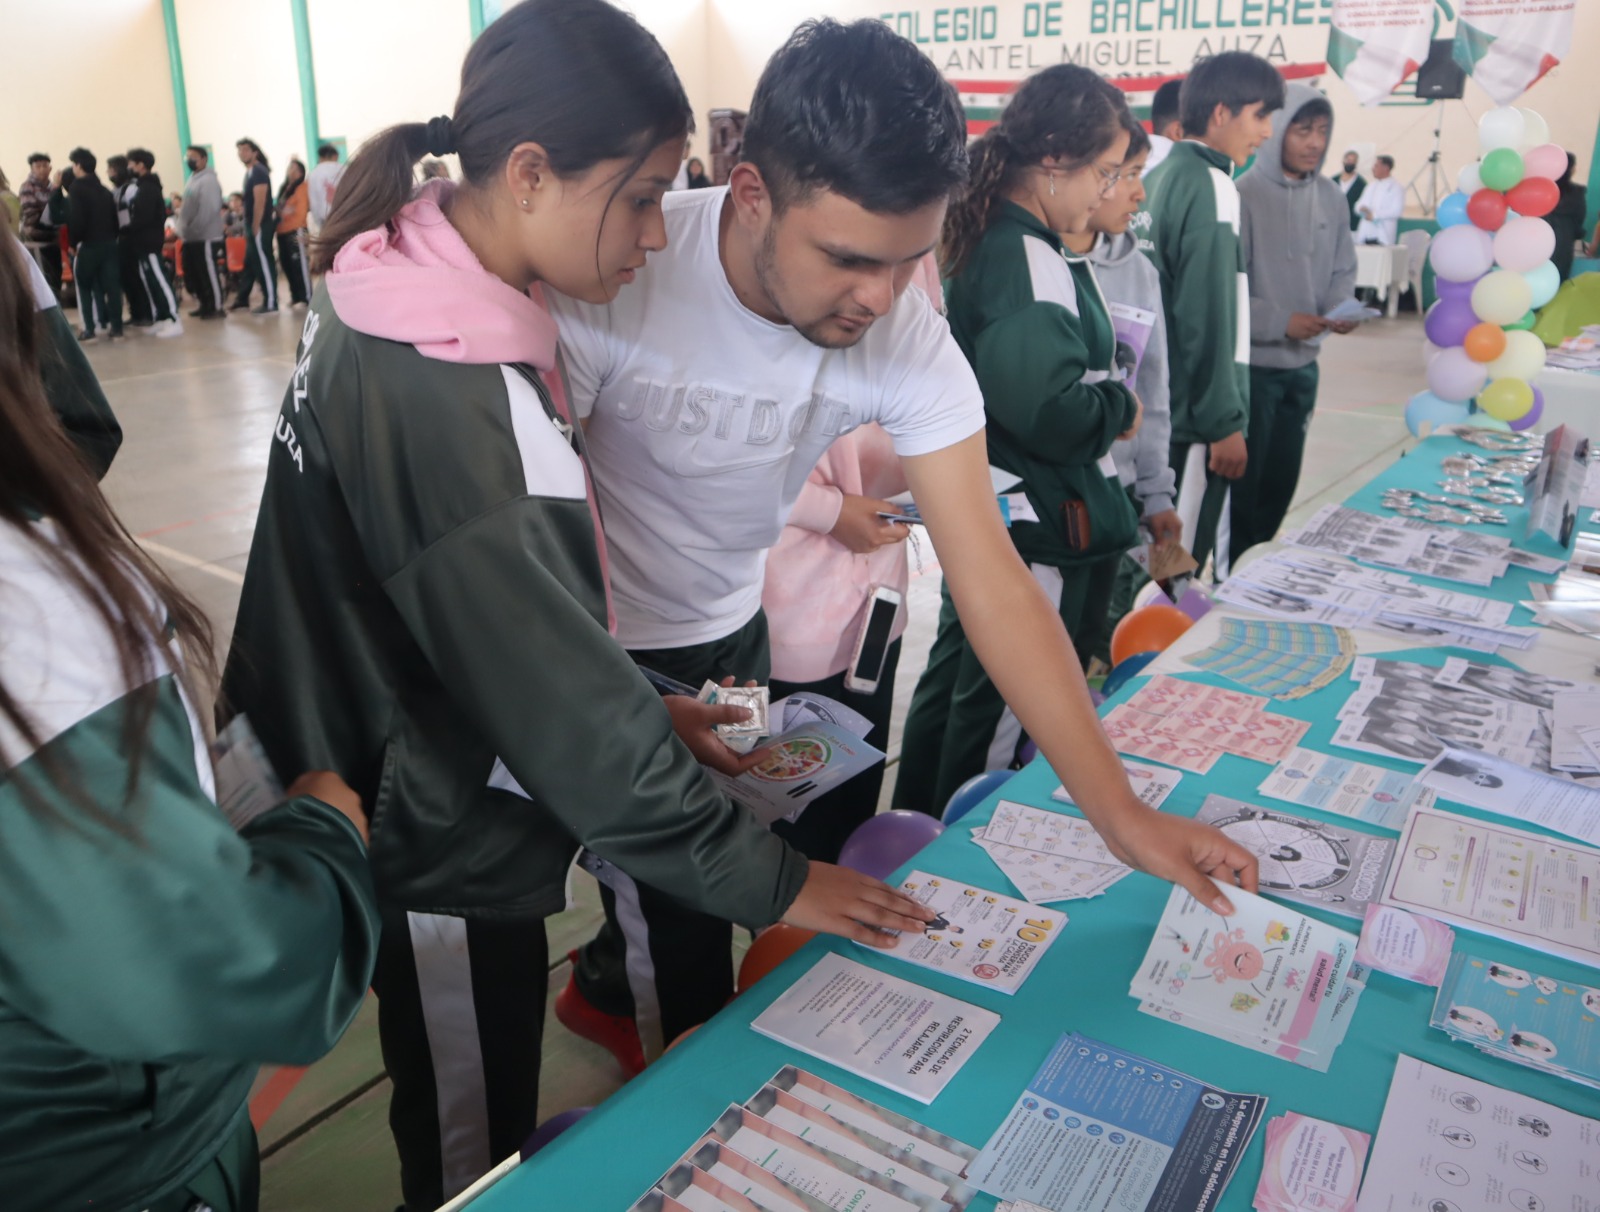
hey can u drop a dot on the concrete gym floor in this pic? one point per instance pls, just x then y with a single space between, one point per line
198 413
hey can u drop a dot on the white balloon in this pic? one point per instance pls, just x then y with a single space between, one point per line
1524 244
1535 130
1522 359
1502 127
1467 180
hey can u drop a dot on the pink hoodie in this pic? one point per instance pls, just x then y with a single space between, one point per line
415 280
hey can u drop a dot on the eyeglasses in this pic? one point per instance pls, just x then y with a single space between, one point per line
1108 181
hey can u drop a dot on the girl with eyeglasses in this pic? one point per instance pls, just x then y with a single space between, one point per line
1031 319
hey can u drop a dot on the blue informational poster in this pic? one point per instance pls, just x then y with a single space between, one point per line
1099 1128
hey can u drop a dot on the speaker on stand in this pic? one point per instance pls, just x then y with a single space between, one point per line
1441 78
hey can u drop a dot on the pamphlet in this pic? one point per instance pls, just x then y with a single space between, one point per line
1525 888
1507 788
887 1030
1310 862
1448 1143
1310 1166
1152 784
1346 788
804 762
1103 1130
1406 945
979 936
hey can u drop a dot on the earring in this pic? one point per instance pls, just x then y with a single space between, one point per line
1052 185
524 204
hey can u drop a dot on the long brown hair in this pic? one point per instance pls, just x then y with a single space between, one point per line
43 475
581 78
1066 111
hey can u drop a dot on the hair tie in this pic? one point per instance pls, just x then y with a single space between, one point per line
441 142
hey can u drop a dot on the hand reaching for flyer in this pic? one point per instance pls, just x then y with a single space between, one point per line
696 725
1182 851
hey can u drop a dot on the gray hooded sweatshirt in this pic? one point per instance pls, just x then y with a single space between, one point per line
1132 288
200 216
1298 251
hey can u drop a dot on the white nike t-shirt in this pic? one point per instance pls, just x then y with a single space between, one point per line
705 420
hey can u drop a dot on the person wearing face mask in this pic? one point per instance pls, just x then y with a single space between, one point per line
1227 103
146 232
426 604
200 229
1029 315
1301 263
1352 184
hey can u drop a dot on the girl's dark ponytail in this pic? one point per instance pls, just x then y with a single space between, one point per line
1064 111
581 78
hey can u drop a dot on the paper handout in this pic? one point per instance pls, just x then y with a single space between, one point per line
887 1030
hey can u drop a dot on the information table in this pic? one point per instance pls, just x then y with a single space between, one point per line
613 1155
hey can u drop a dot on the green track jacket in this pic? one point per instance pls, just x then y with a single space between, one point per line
150 957
1031 319
424 612
1194 235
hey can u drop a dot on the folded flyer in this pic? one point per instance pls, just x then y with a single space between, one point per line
1099 1129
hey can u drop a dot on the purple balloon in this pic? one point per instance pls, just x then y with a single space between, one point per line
1528 419
1029 750
1448 322
552 1128
1195 603
1444 288
881 844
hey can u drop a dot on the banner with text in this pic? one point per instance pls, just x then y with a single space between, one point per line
1375 44
1508 45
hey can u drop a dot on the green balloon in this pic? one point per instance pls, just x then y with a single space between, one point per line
1501 169
1523 325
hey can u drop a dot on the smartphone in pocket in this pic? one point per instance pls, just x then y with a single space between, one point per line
872 644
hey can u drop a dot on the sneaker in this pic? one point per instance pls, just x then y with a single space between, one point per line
263 311
212 315
198 312
117 334
87 337
239 305
169 328
141 323
616 1033
299 305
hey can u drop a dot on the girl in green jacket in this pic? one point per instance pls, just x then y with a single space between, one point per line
1030 317
150 956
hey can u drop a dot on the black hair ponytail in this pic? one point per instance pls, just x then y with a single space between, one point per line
1065 111
581 78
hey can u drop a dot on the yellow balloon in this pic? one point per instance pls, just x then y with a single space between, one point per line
1522 358
1506 399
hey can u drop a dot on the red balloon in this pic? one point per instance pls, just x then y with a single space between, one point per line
1487 209
1535 197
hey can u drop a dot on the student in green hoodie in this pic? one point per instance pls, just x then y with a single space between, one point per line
1226 105
152 957
1030 317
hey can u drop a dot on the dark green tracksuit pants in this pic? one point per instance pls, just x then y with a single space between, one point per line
654 959
958 724
97 277
1281 403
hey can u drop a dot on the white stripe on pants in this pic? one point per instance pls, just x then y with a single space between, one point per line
219 301
640 968
150 265
450 1016
269 280
86 309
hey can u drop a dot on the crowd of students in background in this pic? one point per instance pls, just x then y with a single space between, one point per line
132 248
437 641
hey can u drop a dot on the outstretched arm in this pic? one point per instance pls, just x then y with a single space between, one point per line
1020 640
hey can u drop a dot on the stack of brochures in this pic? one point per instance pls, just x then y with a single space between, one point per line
1099 1129
1267 978
1522 1016
801 1144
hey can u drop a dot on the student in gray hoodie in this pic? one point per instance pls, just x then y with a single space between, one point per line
1132 289
1301 263
200 229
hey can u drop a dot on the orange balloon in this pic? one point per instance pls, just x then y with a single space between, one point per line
772 946
1148 629
680 1038
1484 342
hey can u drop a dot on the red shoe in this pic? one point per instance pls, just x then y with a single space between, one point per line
616 1033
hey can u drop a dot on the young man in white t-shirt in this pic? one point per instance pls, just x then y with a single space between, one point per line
776 319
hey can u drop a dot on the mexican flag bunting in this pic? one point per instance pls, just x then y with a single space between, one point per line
1508 45
1376 46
